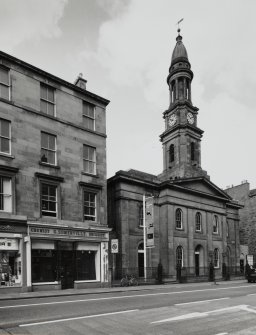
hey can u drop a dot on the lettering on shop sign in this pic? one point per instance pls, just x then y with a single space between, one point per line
6 228
66 232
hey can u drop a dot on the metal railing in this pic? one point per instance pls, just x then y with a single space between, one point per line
181 274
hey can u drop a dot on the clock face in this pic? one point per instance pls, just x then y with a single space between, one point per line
172 120
190 118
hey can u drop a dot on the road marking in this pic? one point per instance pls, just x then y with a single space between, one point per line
124 296
200 302
183 317
204 314
251 294
77 318
221 334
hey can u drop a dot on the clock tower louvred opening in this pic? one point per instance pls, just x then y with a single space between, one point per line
181 138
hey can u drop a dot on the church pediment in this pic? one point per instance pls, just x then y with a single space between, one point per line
200 185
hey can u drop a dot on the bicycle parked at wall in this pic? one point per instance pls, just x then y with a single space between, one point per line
129 280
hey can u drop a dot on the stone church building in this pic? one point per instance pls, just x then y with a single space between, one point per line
195 223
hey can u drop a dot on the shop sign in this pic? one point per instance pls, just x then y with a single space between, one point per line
8 244
70 233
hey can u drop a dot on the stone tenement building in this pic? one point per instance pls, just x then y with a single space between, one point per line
53 224
190 213
247 231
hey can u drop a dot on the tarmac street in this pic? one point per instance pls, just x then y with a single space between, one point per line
202 308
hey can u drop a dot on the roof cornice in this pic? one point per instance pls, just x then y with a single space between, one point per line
63 82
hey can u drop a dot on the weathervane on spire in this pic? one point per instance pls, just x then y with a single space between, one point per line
178 23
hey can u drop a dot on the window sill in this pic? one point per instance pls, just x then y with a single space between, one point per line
6 155
49 165
90 174
6 100
86 281
46 283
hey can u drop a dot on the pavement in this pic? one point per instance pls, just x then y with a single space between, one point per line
99 290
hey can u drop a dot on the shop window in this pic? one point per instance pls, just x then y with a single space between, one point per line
48 200
4 83
178 218
5 136
47 101
216 258
85 265
5 194
48 148
10 264
89 159
90 206
89 115
198 221
44 265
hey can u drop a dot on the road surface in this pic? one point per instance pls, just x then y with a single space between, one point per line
206 309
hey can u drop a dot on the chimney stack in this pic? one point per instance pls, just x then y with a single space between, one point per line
81 82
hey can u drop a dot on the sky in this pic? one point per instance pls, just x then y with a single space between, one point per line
123 48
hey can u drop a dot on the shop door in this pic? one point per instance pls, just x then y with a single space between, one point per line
67 269
66 262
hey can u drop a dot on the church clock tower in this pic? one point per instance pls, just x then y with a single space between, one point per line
181 138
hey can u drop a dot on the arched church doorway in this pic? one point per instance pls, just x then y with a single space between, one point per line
141 259
198 259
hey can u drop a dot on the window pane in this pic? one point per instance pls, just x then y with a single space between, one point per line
5 194
86 166
52 206
43 92
52 191
5 145
4 76
85 152
88 123
50 109
51 157
44 140
4 90
43 106
5 128
51 142
50 94
91 154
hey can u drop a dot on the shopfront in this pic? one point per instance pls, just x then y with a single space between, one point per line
64 258
12 264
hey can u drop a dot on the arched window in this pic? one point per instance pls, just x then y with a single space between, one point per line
192 151
179 256
198 221
178 218
215 228
216 258
171 153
